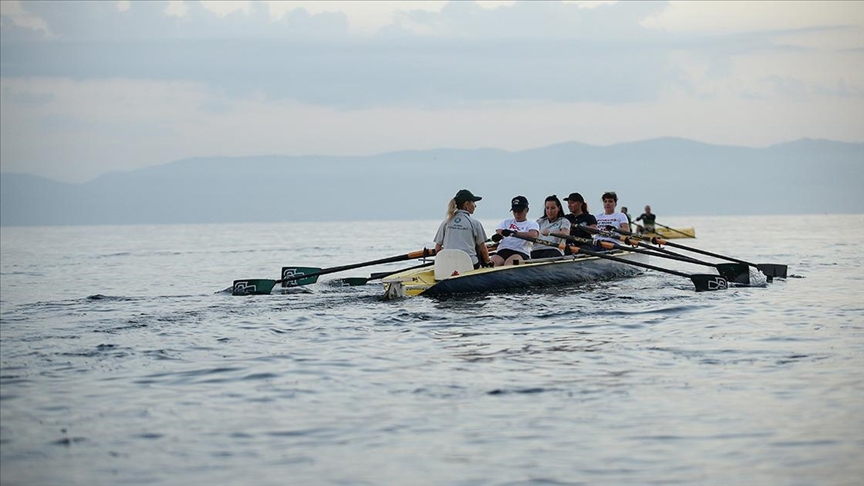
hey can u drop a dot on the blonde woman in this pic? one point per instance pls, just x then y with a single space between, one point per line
460 231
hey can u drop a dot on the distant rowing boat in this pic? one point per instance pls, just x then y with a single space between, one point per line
672 233
461 278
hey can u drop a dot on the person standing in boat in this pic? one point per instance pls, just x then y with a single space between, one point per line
579 216
553 221
460 231
512 250
648 219
610 217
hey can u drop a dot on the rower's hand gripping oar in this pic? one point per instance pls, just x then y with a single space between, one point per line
771 270
732 272
673 229
265 286
703 282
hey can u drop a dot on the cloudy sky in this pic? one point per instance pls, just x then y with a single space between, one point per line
92 87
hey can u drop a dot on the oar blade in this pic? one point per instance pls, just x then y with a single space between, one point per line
773 270
253 286
289 276
705 282
738 273
354 281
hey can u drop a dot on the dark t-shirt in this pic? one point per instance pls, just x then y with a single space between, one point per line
583 219
648 218
648 221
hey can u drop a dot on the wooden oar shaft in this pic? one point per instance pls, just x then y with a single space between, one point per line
672 255
398 258
611 245
661 241
636 242
702 282
646 250
631 262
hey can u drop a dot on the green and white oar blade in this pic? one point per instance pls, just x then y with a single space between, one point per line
354 281
290 276
253 286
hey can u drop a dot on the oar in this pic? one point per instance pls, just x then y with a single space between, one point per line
265 286
734 272
673 229
354 281
771 270
300 272
702 281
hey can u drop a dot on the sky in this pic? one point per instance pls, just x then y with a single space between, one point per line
88 88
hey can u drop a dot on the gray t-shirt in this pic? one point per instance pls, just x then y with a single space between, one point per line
560 225
461 232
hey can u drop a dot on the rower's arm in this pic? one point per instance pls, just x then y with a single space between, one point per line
484 252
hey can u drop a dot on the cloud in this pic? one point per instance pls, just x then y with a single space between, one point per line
14 14
713 18
477 55
125 85
427 72
84 126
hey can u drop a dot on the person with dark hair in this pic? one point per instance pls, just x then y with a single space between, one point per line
610 217
460 231
579 216
552 221
648 217
629 219
511 249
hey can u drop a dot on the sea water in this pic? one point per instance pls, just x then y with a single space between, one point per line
121 362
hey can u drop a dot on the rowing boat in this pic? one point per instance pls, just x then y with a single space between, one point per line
671 233
451 276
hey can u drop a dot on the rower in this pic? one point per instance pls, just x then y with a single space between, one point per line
609 217
648 217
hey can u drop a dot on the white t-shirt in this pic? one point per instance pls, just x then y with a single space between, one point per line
614 219
513 243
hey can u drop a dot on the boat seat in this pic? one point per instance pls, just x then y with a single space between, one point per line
449 261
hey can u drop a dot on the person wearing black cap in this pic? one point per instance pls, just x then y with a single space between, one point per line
511 249
459 231
579 215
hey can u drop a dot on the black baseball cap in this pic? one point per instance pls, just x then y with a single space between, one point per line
575 196
465 195
519 202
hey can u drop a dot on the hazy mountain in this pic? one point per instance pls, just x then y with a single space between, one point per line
675 176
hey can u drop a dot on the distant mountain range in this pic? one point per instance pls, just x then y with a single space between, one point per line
675 176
